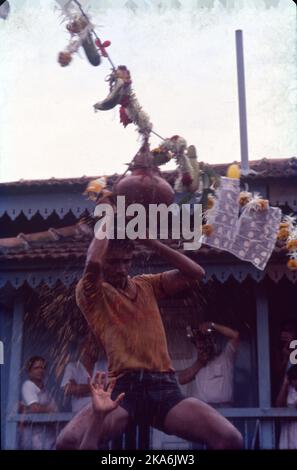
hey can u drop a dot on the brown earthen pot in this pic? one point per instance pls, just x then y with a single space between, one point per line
145 184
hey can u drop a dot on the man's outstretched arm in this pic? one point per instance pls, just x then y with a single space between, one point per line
187 273
99 244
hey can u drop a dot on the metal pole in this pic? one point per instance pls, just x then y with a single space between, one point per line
267 435
242 104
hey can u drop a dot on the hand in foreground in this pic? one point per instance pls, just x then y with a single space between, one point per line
101 394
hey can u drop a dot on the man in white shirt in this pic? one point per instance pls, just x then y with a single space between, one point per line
75 382
213 371
36 399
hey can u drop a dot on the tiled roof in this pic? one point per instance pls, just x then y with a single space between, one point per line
71 243
265 168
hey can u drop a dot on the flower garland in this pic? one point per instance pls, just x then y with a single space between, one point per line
186 159
121 93
190 174
78 25
256 203
288 233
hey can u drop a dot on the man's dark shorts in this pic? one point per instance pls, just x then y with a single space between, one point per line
149 396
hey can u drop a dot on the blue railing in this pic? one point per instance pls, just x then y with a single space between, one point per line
260 428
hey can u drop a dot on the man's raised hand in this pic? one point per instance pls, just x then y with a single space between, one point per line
101 394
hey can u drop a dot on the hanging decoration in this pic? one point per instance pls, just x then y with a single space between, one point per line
249 235
121 93
288 233
241 223
233 171
186 160
95 188
81 32
244 198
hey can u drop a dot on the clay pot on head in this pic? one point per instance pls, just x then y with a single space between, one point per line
144 185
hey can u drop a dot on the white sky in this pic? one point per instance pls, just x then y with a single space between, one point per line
183 67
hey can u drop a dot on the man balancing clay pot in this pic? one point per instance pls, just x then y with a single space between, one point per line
123 314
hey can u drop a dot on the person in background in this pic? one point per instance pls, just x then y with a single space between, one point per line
36 399
213 371
75 382
288 397
281 355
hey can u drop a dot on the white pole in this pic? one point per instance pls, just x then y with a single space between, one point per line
242 104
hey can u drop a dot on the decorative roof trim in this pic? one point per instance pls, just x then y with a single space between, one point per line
221 273
45 204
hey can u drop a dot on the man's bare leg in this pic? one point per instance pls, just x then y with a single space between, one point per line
194 420
102 420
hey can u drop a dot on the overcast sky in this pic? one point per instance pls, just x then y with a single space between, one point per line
183 67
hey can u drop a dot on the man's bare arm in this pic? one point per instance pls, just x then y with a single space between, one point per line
96 253
38 408
187 273
99 244
77 390
226 331
187 375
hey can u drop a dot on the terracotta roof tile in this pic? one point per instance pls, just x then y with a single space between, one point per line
73 242
265 168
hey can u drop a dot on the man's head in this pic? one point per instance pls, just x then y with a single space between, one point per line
117 262
36 366
206 346
292 376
